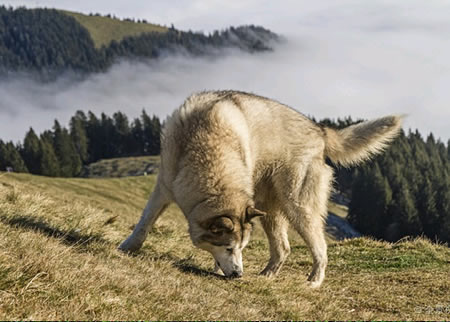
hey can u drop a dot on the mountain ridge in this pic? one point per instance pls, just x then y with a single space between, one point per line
50 42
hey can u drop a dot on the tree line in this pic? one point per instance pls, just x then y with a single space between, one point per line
48 41
62 152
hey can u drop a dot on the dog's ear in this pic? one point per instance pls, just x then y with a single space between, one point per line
252 212
221 224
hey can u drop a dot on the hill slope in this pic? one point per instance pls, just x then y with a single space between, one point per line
121 167
58 260
103 30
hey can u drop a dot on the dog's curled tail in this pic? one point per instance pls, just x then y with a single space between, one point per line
358 142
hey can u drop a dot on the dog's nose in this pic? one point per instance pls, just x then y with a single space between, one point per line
236 274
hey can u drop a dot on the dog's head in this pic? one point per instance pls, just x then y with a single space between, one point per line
225 236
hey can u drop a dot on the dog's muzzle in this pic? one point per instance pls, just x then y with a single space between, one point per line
236 274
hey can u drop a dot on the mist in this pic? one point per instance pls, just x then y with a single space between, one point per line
338 60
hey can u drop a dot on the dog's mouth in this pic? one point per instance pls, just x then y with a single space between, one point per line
234 274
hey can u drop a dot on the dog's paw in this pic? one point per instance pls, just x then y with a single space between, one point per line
272 269
315 279
129 246
314 284
269 272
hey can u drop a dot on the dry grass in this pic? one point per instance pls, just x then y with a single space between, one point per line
103 30
58 260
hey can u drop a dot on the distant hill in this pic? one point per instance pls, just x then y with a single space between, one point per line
49 41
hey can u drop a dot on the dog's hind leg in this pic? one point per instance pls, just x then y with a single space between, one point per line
156 205
276 227
312 231
307 216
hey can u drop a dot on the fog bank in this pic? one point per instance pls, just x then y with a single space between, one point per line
348 58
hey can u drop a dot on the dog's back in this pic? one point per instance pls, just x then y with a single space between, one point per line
270 130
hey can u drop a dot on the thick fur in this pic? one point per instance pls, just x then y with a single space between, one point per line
229 156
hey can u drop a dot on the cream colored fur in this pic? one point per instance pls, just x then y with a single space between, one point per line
230 156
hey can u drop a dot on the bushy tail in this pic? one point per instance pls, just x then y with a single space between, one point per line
357 143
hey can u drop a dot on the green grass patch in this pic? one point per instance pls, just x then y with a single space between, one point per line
122 167
365 255
104 30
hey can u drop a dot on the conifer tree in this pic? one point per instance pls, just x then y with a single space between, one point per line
3 164
78 125
123 133
69 160
137 137
108 136
93 131
371 189
11 158
426 206
49 163
156 136
404 212
31 152
148 133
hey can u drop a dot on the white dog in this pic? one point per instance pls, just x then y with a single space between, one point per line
229 156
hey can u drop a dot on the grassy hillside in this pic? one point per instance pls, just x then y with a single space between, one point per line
103 30
122 167
58 260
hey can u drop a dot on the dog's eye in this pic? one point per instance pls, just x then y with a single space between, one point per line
230 250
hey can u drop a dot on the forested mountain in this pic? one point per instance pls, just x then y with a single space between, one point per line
50 41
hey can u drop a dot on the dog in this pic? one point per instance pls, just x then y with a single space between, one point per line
228 157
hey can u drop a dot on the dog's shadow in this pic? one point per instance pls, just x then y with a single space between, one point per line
186 266
68 237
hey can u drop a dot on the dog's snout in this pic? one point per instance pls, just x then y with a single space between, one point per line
236 274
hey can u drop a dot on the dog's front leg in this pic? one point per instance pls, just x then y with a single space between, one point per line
154 208
276 228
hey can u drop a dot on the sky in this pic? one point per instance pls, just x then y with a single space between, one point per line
359 58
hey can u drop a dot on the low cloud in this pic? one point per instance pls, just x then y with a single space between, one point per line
363 60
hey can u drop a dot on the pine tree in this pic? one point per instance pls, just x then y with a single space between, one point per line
123 133
11 158
156 136
426 205
94 138
147 133
448 150
2 156
371 197
109 137
49 163
444 210
31 152
404 212
137 135
78 133
69 159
